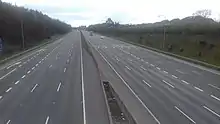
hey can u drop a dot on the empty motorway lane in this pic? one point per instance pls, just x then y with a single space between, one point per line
56 84
157 88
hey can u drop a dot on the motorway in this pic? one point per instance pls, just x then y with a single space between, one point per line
56 84
156 88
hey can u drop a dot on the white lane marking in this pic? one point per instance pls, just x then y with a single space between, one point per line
33 68
39 61
64 70
143 68
1 97
149 111
185 115
184 82
50 66
198 88
152 65
28 72
180 71
36 64
67 61
17 82
9 89
129 60
146 83
214 86
165 72
127 67
47 120
196 72
28 60
58 88
142 60
82 80
210 110
42 59
19 65
13 65
215 97
34 88
168 84
146 62
8 74
23 76
157 68
174 76
8 122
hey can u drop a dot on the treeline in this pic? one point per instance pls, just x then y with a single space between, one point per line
196 37
192 25
36 25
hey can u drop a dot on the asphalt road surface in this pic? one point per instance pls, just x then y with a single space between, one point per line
157 88
56 84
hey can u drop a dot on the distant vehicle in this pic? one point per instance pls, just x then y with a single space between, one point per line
102 37
91 34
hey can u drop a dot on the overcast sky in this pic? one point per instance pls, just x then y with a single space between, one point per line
86 12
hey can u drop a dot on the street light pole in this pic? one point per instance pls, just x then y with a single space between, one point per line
22 34
164 36
164 31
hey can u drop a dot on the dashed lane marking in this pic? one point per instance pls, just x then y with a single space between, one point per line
9 89
168 84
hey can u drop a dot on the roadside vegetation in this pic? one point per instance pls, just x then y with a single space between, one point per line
18 24
196 36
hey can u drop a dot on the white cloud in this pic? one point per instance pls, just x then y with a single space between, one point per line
88 12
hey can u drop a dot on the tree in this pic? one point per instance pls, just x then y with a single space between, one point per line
109 21
204 13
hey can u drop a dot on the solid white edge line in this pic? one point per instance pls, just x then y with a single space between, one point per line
13 65
185 115
130 89
9 89
146 83
168 84
210 110
184 82
47 120
58 88
215 97
198 88
82 79
34 87
8 74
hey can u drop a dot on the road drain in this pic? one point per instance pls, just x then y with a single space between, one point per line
118 111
